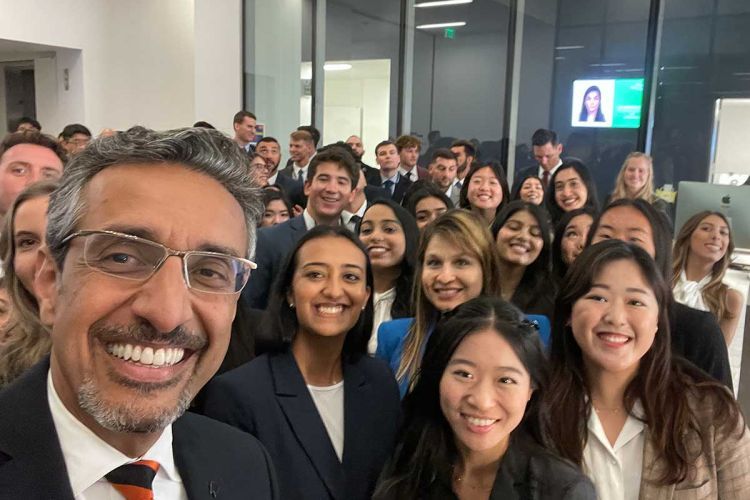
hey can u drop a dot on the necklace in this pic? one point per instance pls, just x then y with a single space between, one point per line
615 410
459 478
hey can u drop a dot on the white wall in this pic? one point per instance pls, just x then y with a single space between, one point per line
136 61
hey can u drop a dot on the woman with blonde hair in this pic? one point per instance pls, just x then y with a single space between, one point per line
456 262
636 180
24 339
701 255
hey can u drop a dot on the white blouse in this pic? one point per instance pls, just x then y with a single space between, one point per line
689 292
615 470
382 303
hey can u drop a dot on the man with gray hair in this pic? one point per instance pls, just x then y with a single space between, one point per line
149 238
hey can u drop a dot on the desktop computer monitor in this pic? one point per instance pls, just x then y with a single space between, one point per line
732 201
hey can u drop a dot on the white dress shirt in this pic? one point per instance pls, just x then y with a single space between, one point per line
300 169
382 304
88 458
272 179
615 470
346 216
310 222
329 401
690 293
412 175
540 172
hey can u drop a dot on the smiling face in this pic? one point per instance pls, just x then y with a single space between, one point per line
301 151
245 130
574 237
329 192
485 191
329 286
451 275
570 190
383 236
428 209
626 224
28 235
99 321
710 239
616 321
636 175
519 240
532 191
483 393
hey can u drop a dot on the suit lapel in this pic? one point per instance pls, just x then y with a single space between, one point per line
304 420
358 405
29 446
652 470
201 475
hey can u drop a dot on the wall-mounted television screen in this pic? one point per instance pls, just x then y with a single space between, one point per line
614 103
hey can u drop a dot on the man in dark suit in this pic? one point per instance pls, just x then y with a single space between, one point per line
388 176
332 176
466 153
547 150
301 151
408 150
244 130
137 327
270 150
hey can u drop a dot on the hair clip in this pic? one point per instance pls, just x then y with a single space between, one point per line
530 323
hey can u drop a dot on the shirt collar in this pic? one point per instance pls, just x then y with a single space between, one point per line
88 458
393 178
552 170
404 171
633 427
272 179
346 215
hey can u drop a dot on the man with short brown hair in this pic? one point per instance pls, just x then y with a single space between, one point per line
409 148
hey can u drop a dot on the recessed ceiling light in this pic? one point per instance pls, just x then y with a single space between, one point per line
454 24
569 47
336 66
442 3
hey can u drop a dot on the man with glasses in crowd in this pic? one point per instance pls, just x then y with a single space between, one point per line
148 238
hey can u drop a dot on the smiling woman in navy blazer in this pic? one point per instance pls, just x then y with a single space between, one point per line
325 411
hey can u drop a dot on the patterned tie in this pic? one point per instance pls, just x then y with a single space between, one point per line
545 179
389 186
134 480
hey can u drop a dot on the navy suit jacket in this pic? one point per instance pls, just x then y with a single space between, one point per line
293 189
269 399
374 179
214 460
274 243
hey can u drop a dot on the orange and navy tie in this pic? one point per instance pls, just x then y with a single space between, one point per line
134 480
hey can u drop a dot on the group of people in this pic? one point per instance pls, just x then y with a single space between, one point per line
401 331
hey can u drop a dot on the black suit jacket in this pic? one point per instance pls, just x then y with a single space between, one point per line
697 337
210 456
274 243
269 399
293 189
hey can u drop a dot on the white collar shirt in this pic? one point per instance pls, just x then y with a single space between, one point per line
272 179
346 216
615 470
551 172
301 169
88 458
412 174
310 222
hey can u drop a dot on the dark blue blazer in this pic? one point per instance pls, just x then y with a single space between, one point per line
274 243
214 460
293 189
269 399
374 179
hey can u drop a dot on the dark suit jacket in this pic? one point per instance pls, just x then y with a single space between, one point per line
293 189
697 337
209 456
422 174
373 193
374 179
528 471
274 243
269 399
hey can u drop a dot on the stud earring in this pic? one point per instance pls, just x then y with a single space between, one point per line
291 304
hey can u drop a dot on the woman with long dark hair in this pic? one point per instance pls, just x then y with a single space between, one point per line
485 190
389 233
641 423
569 240
325 411
522 237
472 423
529 189
571 187
591 107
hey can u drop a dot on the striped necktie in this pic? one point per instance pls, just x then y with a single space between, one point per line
134 480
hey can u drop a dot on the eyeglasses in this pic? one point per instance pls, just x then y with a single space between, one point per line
130 257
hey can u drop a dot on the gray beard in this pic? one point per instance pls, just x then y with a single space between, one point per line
128 418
